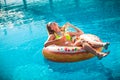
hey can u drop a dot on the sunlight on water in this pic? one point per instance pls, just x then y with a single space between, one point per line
12 18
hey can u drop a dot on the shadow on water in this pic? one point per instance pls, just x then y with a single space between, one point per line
77 4
88 66
51 5
5 32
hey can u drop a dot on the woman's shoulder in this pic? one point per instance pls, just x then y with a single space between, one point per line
52 35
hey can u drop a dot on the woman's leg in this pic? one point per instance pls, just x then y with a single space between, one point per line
88 48
98 44
92 41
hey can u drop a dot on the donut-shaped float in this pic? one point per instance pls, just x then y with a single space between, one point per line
69 53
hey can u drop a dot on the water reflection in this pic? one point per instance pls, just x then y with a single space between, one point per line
5 31
31 72
51 5
103 13
88 66
25 4
76 4
12 18
30 29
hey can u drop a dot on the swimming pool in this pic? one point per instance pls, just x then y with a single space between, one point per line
22 40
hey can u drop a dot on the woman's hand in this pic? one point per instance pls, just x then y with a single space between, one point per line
45 45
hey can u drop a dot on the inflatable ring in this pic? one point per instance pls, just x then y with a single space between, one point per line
69 54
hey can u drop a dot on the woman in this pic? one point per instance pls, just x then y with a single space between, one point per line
58 36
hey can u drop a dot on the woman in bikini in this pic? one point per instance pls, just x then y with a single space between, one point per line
58 36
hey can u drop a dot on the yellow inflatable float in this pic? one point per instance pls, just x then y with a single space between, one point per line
69 54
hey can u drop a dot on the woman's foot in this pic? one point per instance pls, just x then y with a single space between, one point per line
106 45
101 55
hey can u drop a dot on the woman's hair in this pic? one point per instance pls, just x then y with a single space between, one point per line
49 29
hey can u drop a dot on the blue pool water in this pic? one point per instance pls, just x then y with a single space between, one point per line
21 43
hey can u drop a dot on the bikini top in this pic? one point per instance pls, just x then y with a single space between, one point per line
59 35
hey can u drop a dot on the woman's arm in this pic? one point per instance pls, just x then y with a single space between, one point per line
48 42
65 26
51 40
77 29
74 33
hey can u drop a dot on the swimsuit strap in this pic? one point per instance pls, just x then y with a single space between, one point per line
57 36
